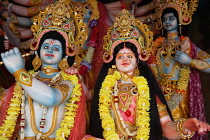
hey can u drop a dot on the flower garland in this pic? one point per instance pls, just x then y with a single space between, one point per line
143 107
71 108
67 123
6 130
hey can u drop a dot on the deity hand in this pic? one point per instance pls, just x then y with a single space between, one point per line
185 44
72 71
182 57
13 60
194 124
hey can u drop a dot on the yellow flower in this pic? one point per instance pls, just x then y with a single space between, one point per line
143 105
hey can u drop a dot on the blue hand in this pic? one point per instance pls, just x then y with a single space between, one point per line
13 60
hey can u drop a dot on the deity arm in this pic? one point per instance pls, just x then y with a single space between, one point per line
25 33
26 11
47 95
202 62
24 22
116 7
182 127
145 8
74 71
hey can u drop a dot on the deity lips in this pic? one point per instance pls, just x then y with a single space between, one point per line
125 64
49 55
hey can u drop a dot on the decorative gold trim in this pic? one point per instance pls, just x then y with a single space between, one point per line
128 29
185 9
48 70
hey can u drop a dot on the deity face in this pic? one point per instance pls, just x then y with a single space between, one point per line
170 22
126 61
51 52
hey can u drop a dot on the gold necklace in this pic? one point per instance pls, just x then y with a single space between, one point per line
168 50
33 122
48 70
171 36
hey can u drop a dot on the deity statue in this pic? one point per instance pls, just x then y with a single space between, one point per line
46 102
175 61
128 102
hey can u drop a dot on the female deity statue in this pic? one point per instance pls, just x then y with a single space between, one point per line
175 61
128 102
46 103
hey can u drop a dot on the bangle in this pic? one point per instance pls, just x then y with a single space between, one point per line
179 130
16 74
23 77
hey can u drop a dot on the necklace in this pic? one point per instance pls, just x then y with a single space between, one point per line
143 106
168 51
172 35
48 70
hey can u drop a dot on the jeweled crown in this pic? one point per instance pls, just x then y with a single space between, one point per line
185 9
60 17
128 29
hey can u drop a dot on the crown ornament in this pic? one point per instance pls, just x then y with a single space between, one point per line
185 9
61 18
128 29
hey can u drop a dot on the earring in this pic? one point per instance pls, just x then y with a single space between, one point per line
111 70
136 72
63 64
36 62
180 28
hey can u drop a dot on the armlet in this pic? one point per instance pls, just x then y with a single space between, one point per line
64 90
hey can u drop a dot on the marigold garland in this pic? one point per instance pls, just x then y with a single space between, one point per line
67 123
7 128
143 106
71 108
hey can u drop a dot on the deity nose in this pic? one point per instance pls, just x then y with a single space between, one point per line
50 50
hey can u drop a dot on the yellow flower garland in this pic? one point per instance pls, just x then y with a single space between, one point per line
67 123
71 108
143 106
13 111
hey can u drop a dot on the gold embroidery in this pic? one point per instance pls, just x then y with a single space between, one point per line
23 77
203 55
199 64
162 110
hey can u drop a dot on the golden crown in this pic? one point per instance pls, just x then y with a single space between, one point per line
185 9
128 29
61 18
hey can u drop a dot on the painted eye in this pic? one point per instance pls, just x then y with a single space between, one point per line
56 49
46 47
130 56
120 57
164 20
171 18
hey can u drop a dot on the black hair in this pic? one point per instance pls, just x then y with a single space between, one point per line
174 11
57 36
144 70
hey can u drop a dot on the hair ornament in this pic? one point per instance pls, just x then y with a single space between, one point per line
128 29
61 18
185 9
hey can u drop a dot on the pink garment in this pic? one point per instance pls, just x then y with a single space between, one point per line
195 96
79 129
129 114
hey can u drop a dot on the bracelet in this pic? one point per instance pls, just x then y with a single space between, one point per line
17 73
179 130
199 64
23 77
